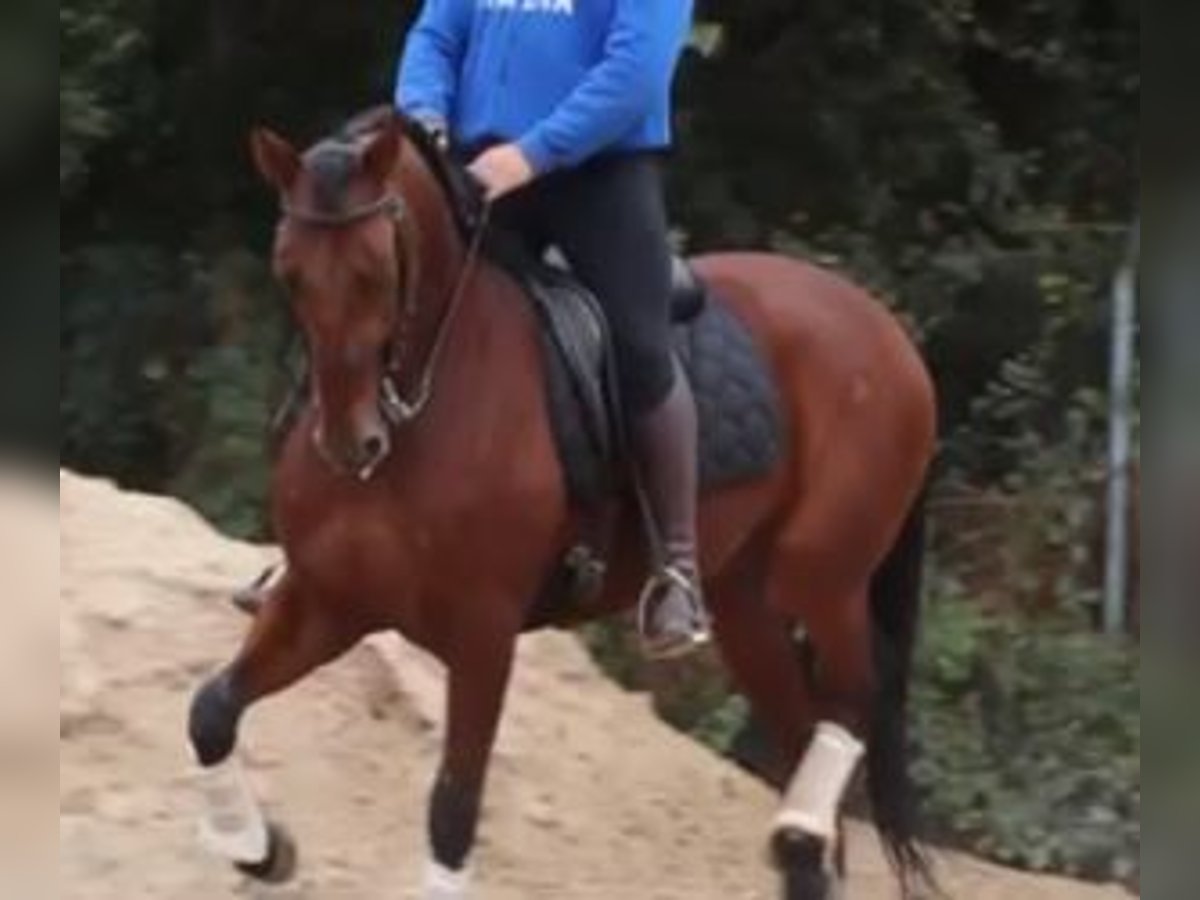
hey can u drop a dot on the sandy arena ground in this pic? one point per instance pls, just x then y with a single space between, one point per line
591 799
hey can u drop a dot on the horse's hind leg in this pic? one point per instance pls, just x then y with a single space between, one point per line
760 650
808 839
769 666
289 639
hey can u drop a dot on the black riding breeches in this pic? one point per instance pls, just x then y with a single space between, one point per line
608 219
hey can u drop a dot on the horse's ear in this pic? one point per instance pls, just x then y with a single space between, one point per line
382 154
276 160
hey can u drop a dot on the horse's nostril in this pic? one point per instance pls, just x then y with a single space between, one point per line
374 447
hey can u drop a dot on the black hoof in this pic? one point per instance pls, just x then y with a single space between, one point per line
800 859
281 862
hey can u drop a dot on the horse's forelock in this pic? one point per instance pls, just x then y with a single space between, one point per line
331 166
334 161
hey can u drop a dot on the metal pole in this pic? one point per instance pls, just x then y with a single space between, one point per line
1116 575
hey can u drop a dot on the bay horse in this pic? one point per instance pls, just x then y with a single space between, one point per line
442 523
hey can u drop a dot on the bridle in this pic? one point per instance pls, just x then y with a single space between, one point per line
397 408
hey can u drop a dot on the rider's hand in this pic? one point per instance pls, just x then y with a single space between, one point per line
501 170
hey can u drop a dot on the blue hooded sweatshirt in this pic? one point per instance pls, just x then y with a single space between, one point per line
565 79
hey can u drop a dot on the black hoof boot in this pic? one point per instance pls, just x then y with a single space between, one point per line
281 861
213 721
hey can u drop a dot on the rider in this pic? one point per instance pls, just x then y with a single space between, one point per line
563 109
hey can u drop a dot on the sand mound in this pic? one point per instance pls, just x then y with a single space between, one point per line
591 799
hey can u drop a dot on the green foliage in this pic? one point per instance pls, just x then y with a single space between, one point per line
101 44
1029 739
948 154
226 478
169 371
236 381
1025 473
1032 541
125 334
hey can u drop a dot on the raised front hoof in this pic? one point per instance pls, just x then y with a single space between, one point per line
281 861
801 860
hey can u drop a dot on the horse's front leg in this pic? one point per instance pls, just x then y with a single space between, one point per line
293 635
479 670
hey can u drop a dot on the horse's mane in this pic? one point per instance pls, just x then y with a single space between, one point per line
458 187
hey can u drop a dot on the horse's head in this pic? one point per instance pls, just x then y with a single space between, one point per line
337 251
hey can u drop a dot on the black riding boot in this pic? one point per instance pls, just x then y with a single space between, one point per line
672 617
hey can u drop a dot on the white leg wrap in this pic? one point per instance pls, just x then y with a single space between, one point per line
815 796
444 884
233 826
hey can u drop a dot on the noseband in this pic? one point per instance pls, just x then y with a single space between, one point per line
399 410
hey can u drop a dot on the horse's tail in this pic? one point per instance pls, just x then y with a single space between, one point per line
895 612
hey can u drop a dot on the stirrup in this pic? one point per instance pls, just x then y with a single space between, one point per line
698 636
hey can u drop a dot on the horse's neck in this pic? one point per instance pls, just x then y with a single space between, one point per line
439 243
491 344
437 254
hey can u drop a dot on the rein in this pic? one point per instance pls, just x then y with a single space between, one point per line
398 409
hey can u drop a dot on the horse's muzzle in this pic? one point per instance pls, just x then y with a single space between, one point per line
359 453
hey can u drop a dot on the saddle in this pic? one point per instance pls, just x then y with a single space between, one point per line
736 400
